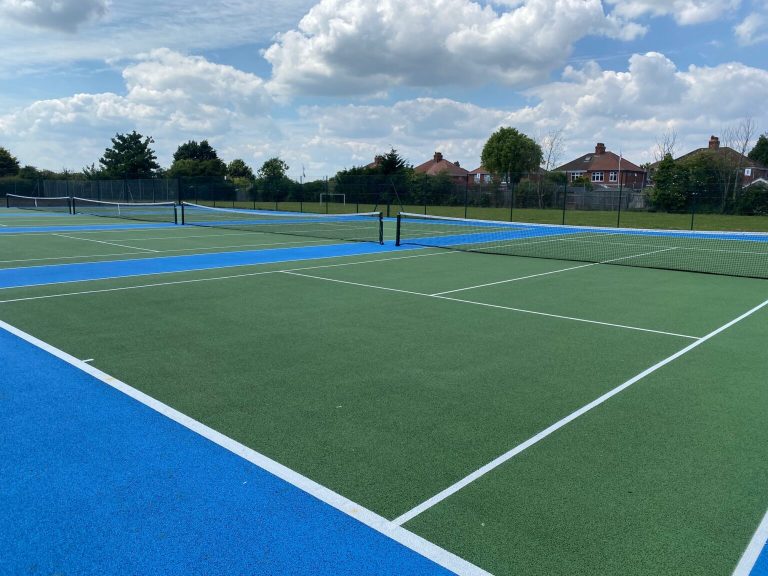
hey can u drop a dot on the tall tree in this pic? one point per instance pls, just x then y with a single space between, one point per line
760 152
391 163
193 150
273 170
129 157
194 160
666 145
670 190
510 152
239 169
9 165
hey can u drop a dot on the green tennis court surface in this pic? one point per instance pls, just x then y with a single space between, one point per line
530 415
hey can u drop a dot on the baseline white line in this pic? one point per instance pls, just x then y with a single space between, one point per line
103 242
551 272
194 280
510 308
436 499
752 553
369 518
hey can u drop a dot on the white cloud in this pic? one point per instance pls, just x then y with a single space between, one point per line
167 94
62 15
365 46
752 30
684 12
132 27
175 98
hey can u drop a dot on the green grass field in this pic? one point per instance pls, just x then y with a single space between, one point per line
388 378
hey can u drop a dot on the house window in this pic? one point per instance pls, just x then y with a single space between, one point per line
477 178
597 176
575 175
747 171
613 176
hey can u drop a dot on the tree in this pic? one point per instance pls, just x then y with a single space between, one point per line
193 151
239 169
273 170
510 152
197 160
670 186
391 163
760 152
9 165
273 182
666 145
129 157
552 150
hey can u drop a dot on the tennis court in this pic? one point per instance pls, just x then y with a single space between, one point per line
508 414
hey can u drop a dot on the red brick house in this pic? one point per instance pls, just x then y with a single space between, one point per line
480 176
749 169
605 169
439 165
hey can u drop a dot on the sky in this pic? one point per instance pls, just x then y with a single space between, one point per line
326 85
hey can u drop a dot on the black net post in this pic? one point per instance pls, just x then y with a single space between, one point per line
693 207
397 233
565 196
182 214
381 228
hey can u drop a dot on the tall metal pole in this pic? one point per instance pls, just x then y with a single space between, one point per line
618 217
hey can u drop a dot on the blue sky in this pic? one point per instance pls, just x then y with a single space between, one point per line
329 84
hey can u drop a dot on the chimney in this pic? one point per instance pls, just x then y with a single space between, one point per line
714 142
600 148
438 157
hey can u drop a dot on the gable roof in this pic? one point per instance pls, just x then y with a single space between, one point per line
440 165
600 159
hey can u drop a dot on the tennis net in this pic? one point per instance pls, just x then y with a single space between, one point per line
145 211
361 227
726 253
55 204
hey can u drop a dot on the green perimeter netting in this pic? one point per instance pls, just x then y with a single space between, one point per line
727 253
361 227
56 204
144 211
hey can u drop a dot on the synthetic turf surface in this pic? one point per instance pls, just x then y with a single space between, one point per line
360 379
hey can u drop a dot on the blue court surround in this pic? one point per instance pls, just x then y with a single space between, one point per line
37 275
84 228
95 482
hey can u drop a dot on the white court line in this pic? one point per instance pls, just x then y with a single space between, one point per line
103 242
436 499
194 280
369 518
497 306
752 553
514 279
166 251
550 272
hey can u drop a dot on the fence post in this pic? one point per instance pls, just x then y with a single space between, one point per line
693 208
565 196
466 195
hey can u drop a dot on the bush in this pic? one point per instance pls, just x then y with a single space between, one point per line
753 200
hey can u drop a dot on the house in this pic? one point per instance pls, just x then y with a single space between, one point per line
604 169
480 176
749 169
439 165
